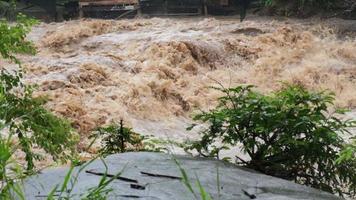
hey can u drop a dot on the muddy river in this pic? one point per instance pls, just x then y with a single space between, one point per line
155 73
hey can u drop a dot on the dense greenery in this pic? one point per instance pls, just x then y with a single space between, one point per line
288 134
12 38
25 123
23 115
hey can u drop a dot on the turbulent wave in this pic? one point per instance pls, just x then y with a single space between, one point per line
159 70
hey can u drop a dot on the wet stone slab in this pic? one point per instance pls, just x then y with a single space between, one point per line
156 176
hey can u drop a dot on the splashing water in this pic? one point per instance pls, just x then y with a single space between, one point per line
154 73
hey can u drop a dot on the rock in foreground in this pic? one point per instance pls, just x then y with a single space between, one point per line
152 176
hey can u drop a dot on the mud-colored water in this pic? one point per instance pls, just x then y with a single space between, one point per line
154 73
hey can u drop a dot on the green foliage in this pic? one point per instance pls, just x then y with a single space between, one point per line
116 138
23 115
288 134
27 119
12 40
348 155
9 172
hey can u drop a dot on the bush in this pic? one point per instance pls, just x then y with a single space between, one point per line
288 134
116 138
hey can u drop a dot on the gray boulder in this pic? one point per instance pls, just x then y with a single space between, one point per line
155 176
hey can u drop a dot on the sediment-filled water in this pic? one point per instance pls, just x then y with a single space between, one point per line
155 73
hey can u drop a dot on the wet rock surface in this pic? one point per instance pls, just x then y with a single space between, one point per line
152 176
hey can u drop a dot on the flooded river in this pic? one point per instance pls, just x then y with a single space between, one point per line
155 73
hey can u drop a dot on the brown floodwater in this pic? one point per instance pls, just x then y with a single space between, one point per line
155 73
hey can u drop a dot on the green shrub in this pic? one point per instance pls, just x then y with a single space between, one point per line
116 138
288 134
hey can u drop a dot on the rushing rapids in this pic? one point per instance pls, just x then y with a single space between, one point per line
154 73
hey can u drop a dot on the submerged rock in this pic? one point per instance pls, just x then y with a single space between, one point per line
152 176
